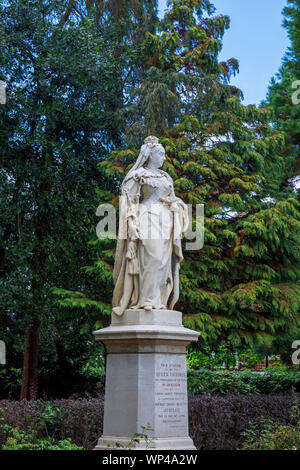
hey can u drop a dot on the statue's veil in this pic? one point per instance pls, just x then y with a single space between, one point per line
145 152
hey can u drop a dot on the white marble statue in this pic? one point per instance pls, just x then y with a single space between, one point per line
152 220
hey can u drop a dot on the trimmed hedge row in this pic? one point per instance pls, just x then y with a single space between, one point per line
81 420
246 382
218 423
215 422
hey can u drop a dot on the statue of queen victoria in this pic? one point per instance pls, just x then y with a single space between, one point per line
152 221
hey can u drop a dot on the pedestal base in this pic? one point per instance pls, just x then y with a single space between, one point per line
146 384
109 442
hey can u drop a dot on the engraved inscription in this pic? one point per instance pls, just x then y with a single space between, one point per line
171 395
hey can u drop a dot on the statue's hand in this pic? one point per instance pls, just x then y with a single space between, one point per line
133 231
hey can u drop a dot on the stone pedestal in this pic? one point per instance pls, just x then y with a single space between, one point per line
146 379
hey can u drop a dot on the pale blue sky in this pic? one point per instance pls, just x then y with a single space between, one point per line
256 38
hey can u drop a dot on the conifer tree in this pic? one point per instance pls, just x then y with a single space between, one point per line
284 98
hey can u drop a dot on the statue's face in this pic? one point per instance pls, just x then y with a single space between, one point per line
157 157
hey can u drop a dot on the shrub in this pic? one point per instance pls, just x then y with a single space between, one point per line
269 435
273 381
219 423
213 358
209 382
20 440
223 382
78 420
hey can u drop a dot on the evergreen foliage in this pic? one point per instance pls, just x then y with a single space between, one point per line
283 96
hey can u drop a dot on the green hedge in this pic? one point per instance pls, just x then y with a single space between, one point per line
214 358
223 382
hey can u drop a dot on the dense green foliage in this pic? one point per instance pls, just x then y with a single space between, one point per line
19 440
246 382
221 357
283 96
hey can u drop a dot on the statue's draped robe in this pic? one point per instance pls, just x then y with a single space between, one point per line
147 270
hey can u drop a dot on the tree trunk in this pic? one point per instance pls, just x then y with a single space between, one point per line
267 362
30 367
29 386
